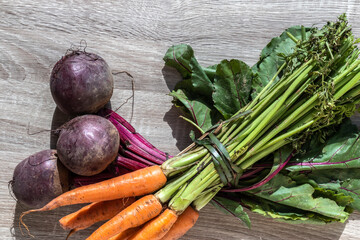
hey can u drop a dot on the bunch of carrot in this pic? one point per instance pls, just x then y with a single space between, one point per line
130 217
117 199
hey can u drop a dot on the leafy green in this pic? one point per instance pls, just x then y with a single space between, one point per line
344 182
281 44
333 165
232 86
182 58
193 95
282 212
282 189
299 82
215 93
195 108
342 150
179 57
273 56
228 86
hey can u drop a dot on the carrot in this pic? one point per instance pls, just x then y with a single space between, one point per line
138 213
185 221
94 212
128 185
125 235
156 228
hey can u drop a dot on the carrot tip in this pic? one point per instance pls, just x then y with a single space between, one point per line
72 231
21 222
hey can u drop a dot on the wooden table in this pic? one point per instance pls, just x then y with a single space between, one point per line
133 36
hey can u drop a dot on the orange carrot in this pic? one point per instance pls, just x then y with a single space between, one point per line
128 185
156 228
125 235
185 221
138 213
94 212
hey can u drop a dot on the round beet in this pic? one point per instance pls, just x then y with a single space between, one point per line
81 83
39 178
88 144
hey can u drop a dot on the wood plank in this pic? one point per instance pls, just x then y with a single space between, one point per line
133 36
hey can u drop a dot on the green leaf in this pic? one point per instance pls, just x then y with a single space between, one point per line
179 57
281 212
340 198
351 187
197 109
194 93
342 150
283 190
333 166
272 57
232 86
344 184
277 42
182 58
232 207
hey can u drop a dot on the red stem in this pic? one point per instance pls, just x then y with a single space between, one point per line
128 138
262 182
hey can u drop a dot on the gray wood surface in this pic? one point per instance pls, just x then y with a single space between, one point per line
133 36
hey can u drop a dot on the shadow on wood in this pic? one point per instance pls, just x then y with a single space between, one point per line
180 128
59 118
45 225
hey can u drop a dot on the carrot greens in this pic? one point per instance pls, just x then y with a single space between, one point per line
304 86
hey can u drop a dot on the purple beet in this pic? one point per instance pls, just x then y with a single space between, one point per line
88 144
39 178
81 83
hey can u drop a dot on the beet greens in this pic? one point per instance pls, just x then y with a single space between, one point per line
305 84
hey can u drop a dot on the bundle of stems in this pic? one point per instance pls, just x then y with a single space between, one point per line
316 87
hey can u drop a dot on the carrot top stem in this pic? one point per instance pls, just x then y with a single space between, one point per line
206 197
183 161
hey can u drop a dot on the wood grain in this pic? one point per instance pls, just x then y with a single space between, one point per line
133 36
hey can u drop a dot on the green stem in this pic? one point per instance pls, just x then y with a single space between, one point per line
178 162
172 187
292 37
206 197
329 50
265 121
347 86
298 113
286 135
347 71
246 163
206 177
267 86
210 72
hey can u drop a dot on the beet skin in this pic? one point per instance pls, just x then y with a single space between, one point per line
88 144
81 83
39 178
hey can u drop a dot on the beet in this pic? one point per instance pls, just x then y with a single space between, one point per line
81 83
39 178
88 144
